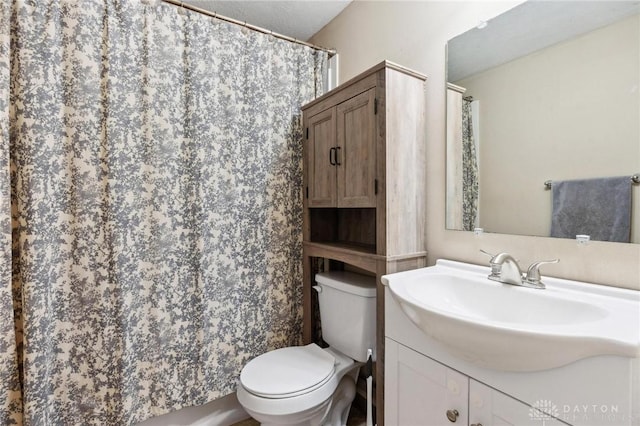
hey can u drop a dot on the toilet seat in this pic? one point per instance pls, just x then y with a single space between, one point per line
297 409
288 372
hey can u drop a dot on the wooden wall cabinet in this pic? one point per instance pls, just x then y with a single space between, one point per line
342 158
364 183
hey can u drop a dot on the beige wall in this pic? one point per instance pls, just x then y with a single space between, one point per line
414 34
563 126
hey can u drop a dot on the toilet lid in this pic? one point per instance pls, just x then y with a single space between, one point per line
288 372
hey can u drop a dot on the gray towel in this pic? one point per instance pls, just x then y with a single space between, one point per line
599 207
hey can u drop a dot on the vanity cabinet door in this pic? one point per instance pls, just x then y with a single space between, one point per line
422 392
489 407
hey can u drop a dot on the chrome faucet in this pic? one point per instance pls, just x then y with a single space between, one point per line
505 269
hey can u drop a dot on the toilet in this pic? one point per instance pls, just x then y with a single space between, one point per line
309 385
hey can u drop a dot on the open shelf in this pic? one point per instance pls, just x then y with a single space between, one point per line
349 227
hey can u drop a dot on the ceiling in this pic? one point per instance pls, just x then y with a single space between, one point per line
299 19
529 27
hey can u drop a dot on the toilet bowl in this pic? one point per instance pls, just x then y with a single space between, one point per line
324 379
308 385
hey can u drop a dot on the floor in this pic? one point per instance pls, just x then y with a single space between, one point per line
356 418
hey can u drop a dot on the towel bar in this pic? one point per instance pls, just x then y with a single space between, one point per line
634 179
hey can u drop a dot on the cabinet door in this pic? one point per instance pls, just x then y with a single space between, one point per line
321 174
419 391
356 156
489 407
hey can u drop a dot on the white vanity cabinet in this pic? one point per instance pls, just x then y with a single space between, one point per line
424 392
421 391
424 380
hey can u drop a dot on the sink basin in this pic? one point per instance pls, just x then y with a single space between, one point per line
511 328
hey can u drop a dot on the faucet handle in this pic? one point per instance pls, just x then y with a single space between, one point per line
488 254
495 267
533 273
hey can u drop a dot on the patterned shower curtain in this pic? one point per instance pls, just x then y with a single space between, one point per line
469 170
150 207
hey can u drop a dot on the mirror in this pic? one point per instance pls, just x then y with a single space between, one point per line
546 92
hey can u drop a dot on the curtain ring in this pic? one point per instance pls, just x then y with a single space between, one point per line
182 10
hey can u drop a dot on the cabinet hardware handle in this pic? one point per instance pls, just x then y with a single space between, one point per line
476 424
332 152
337 148
452 415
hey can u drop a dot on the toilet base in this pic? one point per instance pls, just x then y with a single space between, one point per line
326 414
345 394
311 417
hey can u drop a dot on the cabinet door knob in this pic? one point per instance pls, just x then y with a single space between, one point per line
337 148
452 415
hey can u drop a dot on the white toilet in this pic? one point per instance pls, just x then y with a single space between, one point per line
308 385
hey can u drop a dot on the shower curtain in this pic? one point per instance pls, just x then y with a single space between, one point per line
469 169
150 206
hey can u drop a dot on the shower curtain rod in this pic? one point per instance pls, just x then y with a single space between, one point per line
181 4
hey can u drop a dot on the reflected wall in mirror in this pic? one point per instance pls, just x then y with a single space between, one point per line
548 91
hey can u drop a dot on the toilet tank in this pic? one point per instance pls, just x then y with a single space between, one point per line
348 312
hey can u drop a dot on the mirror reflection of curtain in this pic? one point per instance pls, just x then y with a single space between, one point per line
470 168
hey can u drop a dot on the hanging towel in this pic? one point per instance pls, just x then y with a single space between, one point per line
598 207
